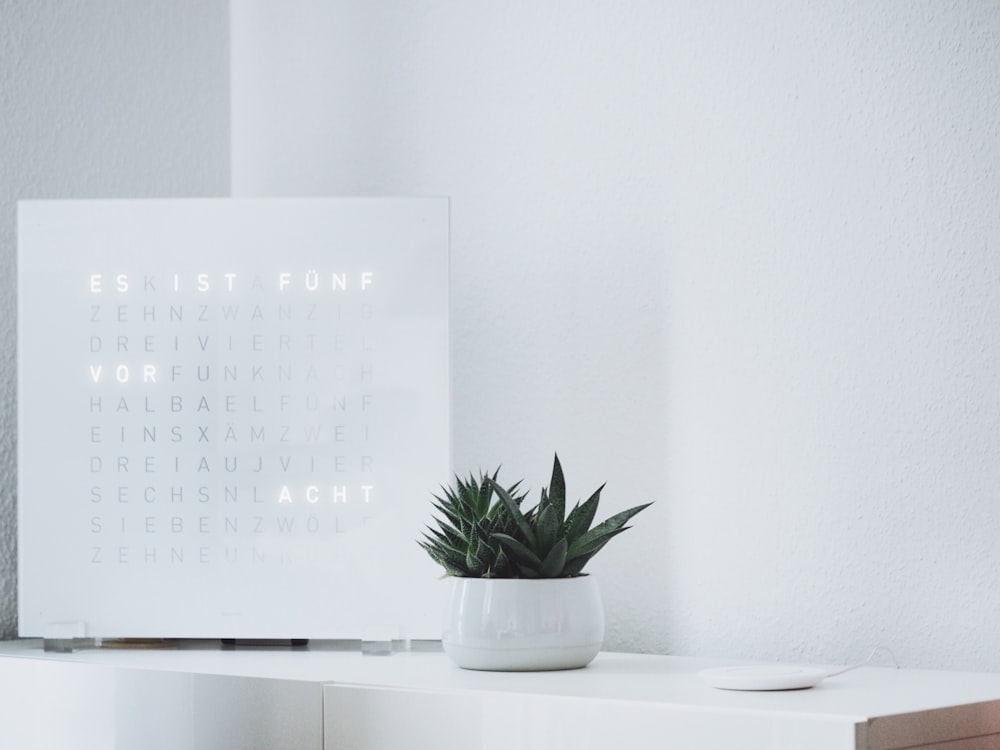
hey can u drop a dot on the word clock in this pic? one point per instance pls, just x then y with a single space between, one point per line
230 415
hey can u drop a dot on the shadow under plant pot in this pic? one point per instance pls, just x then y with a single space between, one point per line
517 624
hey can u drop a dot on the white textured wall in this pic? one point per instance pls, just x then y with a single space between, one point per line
99 99
740 258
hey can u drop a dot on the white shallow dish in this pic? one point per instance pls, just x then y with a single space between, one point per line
767 677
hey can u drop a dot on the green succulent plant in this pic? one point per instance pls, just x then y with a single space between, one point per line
465 541
482 532
547 542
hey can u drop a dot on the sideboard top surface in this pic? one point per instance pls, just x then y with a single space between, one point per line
859 695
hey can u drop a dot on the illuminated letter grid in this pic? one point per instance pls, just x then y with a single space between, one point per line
230 414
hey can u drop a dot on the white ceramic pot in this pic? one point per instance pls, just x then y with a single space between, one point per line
505 624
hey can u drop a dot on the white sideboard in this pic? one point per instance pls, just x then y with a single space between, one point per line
203 697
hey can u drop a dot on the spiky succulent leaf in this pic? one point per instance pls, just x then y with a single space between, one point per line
501 567
499 510
554 563
519 553
557 490
574 556
579 519
462 537
440 539
514 508
574 567
451 560
483 496
598 536
448 535
474 561
446 508
548 525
